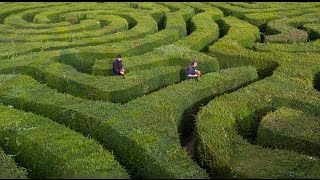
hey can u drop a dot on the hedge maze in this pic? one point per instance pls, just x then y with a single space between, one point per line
253 114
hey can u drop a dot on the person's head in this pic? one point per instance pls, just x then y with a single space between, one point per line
194 63
119 58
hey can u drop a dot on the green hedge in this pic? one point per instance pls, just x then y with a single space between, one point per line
50 150
81 15
204 30
157 11
62 19
83 58
9 9
313 30
251 161
290 129
177 7
223 152
169 55
79 113
9 169
152 154
198 6
285 29
240 31
231 51
229 9
146 43
240 9
42 16
261 18
114 88
145 25
137 126
16 20
54 15
284 33
167 107
91 28
313 46
252 6
222 125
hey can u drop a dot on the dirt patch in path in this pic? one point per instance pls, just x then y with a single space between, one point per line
188 143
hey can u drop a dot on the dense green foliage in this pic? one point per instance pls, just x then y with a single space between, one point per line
9 169
51 150
253 113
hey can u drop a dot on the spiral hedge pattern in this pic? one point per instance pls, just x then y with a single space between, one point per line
254 113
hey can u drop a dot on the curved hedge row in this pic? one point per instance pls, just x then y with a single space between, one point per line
169 55
66 79
313 46
158 41
287 128
225 154
9 169
199 7
87 28
224 124
137 82
56 15
286 29
114 89
42 18
260 19
17 20
145 25
313 30
176 7
169 106
174 30
149 156
44 148
231 50
8 9
204 30
238 10
59 21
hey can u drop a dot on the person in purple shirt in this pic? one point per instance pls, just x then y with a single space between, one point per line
192 73
117 68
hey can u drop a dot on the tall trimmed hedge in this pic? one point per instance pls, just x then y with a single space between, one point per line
235 48
168 107
313 46
145 25
169 55
50 150
114 88
204 30
9 169
84 58
227 127
290 129
150 155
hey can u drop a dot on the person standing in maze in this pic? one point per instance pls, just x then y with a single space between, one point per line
117 68
192 72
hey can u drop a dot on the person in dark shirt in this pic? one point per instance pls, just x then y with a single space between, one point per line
117 68
192 73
